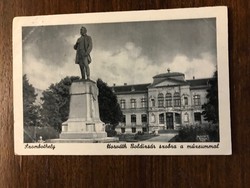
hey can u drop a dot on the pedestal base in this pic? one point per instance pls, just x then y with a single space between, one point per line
80 129
82 135
84 121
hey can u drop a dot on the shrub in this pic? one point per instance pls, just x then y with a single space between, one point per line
110 131
190 133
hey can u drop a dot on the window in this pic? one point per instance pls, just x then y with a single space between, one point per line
124 119
177 99
144 118
197 100
160 100
161 118
153 102
123 104
143 102
133 118
168 100
133 103
197 116
185 101
177 118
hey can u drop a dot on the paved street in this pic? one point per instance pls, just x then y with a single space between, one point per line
161 138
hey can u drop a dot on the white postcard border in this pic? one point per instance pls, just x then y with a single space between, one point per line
224 146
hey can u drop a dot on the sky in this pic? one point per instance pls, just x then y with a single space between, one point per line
128 52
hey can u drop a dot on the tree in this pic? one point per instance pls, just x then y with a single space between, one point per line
110 111
211 111
55 107
30 110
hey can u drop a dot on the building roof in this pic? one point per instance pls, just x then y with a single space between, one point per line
141 88
168 74
137 88
198 82
178 82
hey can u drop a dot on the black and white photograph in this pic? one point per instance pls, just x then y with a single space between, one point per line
122 83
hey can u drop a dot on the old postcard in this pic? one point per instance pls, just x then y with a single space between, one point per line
152 82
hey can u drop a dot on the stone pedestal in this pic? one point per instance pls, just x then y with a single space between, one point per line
84 120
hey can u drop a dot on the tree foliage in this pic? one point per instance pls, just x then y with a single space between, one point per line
30 110
211 111
55 107
110 111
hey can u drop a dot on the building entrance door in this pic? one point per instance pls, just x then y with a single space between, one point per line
169 120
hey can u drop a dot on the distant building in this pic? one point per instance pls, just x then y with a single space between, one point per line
168 103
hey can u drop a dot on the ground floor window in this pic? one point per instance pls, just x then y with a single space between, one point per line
161 118
197 116
124 119
177 118
144 118
133 118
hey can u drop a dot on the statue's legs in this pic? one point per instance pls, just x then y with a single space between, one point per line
82 70
84 66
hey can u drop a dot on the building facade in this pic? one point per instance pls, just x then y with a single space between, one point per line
168 103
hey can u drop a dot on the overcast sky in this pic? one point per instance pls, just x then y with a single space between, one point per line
129 53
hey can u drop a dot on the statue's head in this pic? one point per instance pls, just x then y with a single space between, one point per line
83 31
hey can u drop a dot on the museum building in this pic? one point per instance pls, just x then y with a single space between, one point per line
168 103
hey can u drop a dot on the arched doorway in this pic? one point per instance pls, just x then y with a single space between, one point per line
169 120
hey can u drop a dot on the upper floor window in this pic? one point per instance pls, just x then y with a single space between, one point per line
133 103
197 100
123 104
177 99
160 100
185 101
168 100
143 102
153 102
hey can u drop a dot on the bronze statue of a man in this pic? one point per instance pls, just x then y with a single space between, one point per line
83 48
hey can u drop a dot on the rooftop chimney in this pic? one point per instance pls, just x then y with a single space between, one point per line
193 77
125 84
